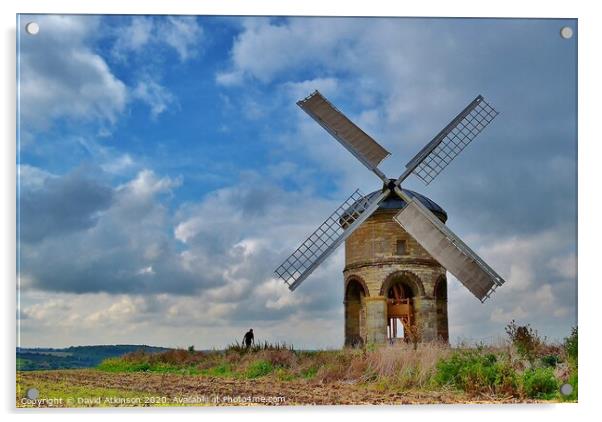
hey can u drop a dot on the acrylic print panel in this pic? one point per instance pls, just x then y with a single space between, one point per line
165 171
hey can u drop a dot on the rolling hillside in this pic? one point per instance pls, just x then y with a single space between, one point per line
30 359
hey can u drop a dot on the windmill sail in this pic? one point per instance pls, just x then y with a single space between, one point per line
447 248
358 142
415 218
448 143
327 237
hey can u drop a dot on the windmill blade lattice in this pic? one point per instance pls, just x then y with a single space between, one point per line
326 238
448 143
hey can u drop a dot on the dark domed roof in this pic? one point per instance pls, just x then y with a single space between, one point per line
394 202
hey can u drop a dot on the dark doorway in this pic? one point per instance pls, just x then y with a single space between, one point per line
355 313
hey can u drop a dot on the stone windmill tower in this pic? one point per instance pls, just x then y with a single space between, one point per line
397 246
391 283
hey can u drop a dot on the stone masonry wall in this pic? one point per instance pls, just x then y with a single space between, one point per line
370 255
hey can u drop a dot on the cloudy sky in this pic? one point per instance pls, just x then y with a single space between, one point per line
165 170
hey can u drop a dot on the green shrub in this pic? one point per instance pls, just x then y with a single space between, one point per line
507 380
571 346
574 383
475 372
310 372
540 383
525 339
169 368
283 375
121 365
221 370
259 368
550 361
461 366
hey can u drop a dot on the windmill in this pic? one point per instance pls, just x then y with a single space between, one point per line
414 217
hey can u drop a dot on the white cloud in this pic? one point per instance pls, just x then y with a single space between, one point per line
402 72
377 71
134 36
534 291
120 310
504 317
521 275
230 243
164 320
146 270
134 274
566 266
291 45
144 36
182 34
30 177
109 159
146 184
118 164
544 295
229 78
298 90
278 296
157 97
61 77
45 311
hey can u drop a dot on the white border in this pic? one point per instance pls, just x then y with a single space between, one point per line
589 192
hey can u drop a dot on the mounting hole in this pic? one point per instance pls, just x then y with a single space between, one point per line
33 393
32 28
566 32
566 389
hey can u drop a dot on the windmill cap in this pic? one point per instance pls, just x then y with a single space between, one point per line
394 202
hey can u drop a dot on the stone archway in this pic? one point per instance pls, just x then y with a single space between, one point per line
355 312
401 290
409 278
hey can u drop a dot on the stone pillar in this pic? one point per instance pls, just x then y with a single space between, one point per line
376 320
427 319
442 323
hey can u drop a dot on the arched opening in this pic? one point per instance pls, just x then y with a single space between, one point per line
355 313
400 293
440 294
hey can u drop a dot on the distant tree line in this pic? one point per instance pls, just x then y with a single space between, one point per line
31 359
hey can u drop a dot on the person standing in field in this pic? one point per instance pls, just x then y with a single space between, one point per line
249 338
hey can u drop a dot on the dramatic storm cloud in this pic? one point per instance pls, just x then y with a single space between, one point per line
165 170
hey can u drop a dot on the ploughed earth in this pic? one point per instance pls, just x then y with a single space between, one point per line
80 387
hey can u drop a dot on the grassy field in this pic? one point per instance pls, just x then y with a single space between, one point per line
57 389
525 369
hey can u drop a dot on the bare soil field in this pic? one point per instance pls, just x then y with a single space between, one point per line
174 389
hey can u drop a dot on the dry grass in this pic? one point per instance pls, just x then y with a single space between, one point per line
499 369
405 365
399 364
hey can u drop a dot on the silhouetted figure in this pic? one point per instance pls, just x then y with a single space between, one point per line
249 338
